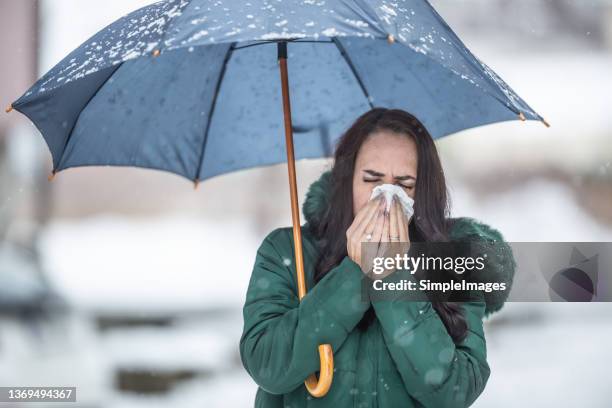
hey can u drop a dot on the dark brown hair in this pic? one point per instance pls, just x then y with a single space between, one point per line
431 205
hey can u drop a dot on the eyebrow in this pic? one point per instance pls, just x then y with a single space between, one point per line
379 174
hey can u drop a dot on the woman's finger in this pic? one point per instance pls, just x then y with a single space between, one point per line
356 236
362 213
383 248
379 231
394 220
367 226
378 225
360 230
408 228
366 215
402 222
375 226
385 232
369 229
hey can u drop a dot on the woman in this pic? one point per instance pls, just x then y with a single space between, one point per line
386 354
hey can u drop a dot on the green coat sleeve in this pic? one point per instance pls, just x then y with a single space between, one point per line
281 335
435 371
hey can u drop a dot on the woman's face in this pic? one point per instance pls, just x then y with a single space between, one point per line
384 158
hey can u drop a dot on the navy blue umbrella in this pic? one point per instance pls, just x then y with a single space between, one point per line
192 87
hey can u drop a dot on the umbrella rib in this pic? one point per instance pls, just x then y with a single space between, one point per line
275 41
212 106
353 70
254 44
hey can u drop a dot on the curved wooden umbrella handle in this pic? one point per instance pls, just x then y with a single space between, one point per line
316 387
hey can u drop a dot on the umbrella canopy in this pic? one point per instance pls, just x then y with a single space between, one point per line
192 87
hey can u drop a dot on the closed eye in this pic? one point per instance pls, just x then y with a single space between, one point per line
399 184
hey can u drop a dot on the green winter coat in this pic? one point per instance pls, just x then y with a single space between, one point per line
404 359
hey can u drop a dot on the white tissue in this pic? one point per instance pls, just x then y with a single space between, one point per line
390 190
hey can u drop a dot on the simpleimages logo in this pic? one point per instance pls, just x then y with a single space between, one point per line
578 281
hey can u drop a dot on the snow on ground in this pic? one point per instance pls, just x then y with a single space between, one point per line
550 363
233 390
197 348
168 263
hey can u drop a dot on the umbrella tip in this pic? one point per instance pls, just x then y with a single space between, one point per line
545 123
51 176
522 116
9 108
195 184
390 38
156 53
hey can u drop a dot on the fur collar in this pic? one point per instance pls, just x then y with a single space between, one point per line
501 265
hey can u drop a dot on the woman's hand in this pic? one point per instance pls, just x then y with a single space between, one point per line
395 239
383 227
398 224
369 220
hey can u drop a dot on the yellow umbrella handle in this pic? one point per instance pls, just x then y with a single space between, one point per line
319 387
316 387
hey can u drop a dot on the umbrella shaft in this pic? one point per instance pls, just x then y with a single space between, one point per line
295 209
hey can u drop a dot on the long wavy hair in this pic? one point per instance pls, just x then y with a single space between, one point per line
430 221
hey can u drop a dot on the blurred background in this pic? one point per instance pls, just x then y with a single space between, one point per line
112 279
